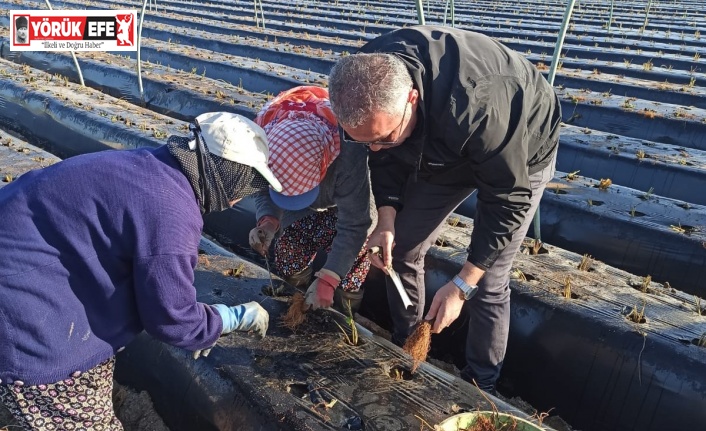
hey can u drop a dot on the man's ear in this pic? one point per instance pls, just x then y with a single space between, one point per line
413 96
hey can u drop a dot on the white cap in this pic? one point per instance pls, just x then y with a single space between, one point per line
237 139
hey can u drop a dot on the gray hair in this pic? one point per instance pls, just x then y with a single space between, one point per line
362 85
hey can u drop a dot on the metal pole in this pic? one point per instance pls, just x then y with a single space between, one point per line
73 55
550 78
610 17
139 49
446 8
647 12
262 15
257 21
560 41
420 12
453 14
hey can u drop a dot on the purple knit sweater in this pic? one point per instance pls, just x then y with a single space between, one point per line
93 250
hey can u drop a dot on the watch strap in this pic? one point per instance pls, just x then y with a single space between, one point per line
468 290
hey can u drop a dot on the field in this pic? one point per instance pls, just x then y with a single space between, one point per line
627 195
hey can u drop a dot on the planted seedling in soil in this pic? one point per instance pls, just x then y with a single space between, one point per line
567 287
686 230
533 247
455 222
635 316
697 303
572 175
702 341
235 272
586 263
647 195
353 339
517 274
604 184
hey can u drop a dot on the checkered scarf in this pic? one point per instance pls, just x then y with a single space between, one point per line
215 180
302 147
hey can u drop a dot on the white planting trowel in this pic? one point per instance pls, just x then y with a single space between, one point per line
395 280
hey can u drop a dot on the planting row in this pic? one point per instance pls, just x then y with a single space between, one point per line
300 21
308 59
542 22
181 94
639 232
261 76
607 349
655 63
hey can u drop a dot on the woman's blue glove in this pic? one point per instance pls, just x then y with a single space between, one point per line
244 317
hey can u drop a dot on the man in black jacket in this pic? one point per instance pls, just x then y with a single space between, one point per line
447 112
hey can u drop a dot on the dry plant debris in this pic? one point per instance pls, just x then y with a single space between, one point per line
296 314
418 344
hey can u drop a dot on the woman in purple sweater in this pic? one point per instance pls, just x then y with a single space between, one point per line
99 247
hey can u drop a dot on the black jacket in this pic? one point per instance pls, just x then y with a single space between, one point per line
487 118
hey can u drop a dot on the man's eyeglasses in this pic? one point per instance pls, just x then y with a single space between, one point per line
391 139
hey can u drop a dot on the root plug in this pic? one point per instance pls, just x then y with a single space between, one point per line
296 314
485 423
419 343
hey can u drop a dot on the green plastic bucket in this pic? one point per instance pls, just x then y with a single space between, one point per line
503 421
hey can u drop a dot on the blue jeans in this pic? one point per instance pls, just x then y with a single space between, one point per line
426 208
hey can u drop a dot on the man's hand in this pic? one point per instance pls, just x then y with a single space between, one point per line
384 237
320 292
261 236
446 307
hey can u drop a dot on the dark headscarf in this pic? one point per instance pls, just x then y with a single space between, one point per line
215 180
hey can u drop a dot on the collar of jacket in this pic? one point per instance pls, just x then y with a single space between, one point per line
412 150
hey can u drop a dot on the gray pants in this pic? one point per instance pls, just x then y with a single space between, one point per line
417 226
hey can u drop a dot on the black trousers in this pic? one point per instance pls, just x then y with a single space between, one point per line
416 228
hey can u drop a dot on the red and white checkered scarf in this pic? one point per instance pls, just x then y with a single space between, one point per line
302 136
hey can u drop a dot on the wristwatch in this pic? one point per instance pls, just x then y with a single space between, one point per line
467 290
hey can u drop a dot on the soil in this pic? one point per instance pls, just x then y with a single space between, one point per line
7 422
134 409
